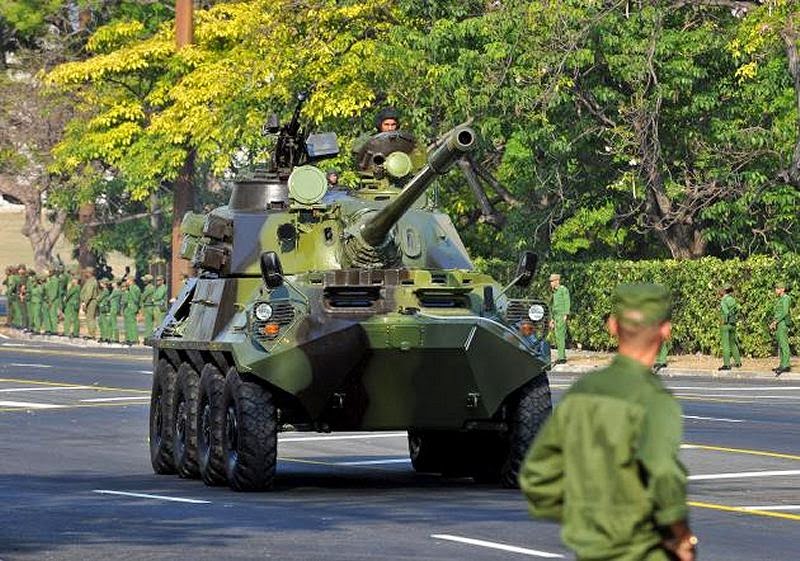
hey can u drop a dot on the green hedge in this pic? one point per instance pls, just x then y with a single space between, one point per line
694 286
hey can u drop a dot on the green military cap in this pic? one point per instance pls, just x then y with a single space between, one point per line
147 278
555 276
780 284
160 277
642 304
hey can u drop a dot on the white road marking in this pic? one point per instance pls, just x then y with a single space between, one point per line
375 462
720 419
500 546
29 405
44 389
738 389
4 336
772 507
742 474
740 396
31 365
147 496
342 437
12 345
124 398
144 371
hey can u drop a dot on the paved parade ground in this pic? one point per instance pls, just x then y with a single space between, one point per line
76 483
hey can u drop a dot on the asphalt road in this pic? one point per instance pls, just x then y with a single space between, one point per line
73 456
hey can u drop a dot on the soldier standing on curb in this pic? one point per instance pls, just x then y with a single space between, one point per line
36 299
89 301
781 322
72 305
729 315
160 300
12 287
148 305
114 304
606 463
131 303
52 298
28 280
560 313
104 311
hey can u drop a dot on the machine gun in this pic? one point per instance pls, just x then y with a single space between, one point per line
290 148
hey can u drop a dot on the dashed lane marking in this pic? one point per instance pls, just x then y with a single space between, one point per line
375 462
52 384
149 496
45 389
747 451
28 405
744 474
737 389
498 546
741 510
343 437
719 419
68 353
4 336
30 365
61 408
749 397
144 371
109 399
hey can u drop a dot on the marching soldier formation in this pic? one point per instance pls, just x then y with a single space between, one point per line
41 303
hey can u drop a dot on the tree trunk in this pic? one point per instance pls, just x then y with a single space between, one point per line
86 257
789 35
183 202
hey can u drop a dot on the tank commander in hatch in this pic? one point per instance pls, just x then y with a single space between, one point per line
387 120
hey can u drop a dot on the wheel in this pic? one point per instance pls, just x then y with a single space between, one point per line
184 415
162 400
486 454
210 426
250 435
527 412
425 452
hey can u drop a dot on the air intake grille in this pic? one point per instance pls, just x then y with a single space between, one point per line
282 314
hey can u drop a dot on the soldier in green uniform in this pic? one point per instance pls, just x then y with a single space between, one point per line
131 303
72 305
661 359
559 311
729 315
89 301
27 284
606 463
148 304
12 288
104 310
114 303
781 322
6 281
160 300
35 301
52 298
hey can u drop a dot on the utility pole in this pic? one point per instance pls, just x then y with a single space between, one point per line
183 188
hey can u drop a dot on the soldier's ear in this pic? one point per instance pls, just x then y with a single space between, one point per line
613 326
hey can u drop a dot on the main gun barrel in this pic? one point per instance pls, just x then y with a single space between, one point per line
456 143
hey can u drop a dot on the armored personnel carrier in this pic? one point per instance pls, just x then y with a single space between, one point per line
317 309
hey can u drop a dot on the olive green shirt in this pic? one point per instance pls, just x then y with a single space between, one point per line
606 465
131 301
781 310
729 310
160 297
147 296
561 302
72 299
89 291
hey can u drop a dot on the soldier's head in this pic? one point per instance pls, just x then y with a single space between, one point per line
555 280
160 280
727 289
780 288
333 177
640 319
88 272
129 281
147 279
387 120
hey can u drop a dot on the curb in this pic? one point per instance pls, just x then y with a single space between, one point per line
70 341
577 371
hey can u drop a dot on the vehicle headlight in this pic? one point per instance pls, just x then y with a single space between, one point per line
536 312
263 311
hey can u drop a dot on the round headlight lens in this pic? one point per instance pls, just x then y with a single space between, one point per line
263 311
536 312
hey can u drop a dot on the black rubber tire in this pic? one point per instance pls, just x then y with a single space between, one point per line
250 436
425 452
162 403
184 417
529 409
210 425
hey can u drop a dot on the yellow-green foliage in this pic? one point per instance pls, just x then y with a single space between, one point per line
695 286
146 105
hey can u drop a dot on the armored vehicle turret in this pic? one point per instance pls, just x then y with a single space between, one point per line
336 309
